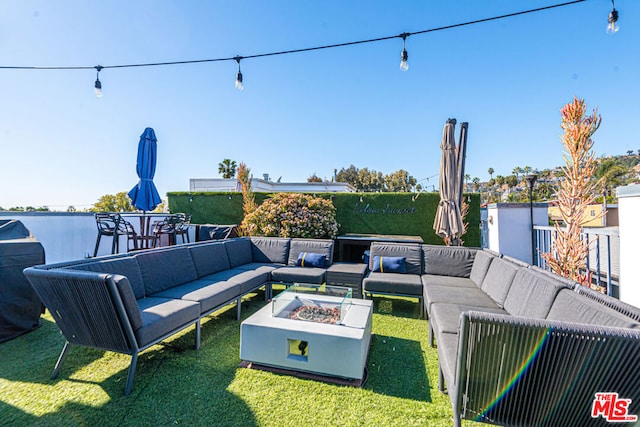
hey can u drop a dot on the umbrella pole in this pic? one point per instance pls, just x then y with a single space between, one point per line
462 156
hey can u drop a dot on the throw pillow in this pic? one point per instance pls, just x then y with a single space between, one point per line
310 259
389 264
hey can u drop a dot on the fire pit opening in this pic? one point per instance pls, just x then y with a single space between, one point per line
316 314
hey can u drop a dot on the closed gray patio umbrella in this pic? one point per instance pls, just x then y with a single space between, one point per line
448 221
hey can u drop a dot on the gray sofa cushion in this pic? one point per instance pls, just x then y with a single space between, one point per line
447 357
238 251
531 294
463 296
292 274
270 250
209 258
208 293
455 282
453 261
570 306
160 316
445 318
248 280
127 267
481 263
164 269
317 246
498 280
412 252
129 301
393 283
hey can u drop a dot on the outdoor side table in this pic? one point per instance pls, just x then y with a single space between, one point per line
347 274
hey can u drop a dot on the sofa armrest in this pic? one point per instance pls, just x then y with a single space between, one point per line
520 371
86 306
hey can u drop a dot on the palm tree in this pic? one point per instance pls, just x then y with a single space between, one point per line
491 171
227 168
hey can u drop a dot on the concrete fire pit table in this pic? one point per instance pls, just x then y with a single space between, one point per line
310 328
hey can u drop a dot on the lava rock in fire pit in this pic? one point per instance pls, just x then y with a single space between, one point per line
316 314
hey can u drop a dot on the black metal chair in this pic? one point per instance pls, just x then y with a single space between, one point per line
182 227
173 225
113 225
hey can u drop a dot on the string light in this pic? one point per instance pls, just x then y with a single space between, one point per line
404 56
612 24
98 86
611 27
239 84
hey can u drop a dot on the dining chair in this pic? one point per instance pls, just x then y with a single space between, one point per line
114 225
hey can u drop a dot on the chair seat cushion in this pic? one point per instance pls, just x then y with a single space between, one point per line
393 283
162 316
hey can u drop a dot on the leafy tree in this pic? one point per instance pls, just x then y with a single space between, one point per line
500 180
629 152
227 168
314 178
399 181
349 175
119 202
511 181
611 172
71 208
476 184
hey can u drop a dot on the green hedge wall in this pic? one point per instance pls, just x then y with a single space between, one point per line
371 213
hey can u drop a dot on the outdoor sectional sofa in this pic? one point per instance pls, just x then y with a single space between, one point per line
517 345
129 302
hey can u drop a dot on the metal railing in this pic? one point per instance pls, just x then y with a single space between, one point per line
603 261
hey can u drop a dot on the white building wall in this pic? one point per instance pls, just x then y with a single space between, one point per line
509 227
628 215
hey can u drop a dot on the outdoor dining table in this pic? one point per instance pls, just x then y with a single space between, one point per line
145 232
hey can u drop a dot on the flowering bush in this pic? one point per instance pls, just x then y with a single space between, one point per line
293 215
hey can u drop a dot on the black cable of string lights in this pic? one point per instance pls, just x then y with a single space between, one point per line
308 49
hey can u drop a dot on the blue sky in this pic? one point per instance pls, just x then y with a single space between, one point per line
302 113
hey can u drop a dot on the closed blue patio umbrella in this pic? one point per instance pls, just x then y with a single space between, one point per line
144 195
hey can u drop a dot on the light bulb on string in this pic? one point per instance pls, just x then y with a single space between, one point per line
98 85
404 56
239 84
612 22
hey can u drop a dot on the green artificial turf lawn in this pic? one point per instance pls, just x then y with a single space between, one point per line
177 385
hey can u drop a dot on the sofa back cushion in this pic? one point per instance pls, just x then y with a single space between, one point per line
570 306
454 261
270 249
165 268
412 253
498 280
316 246
238 251
209 258
531 294
481 263
127 267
